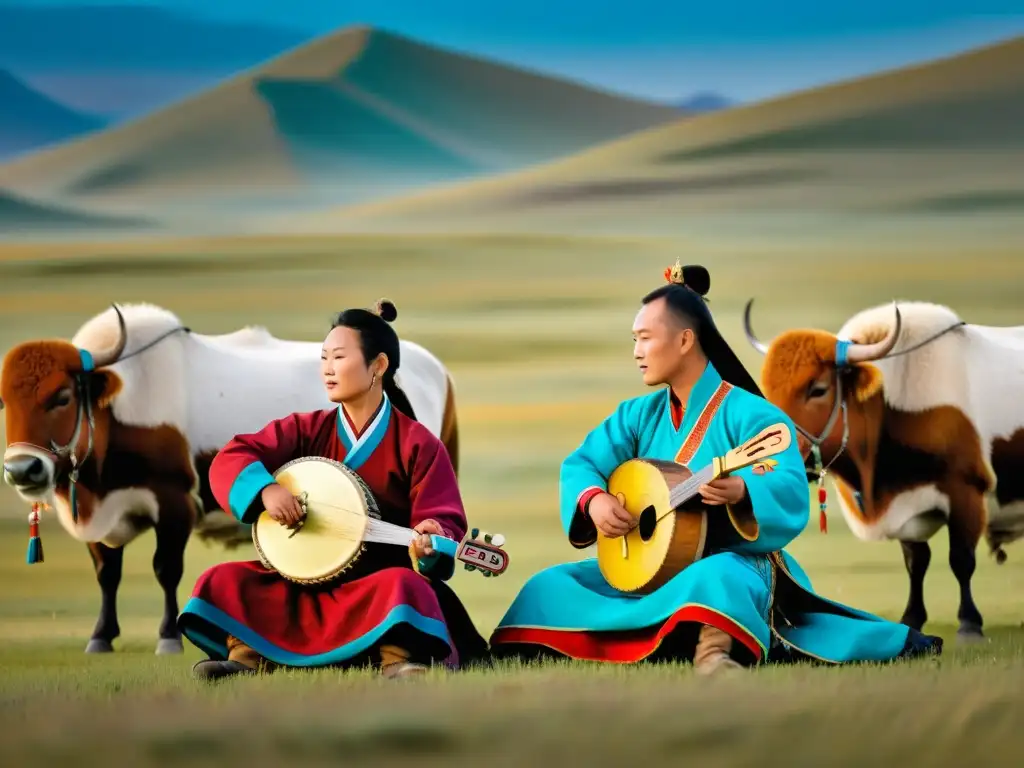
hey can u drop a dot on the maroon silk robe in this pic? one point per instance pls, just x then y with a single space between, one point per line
382 599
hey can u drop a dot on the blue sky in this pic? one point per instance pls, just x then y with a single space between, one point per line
747 49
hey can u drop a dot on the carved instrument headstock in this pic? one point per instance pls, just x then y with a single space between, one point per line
484 553
770 441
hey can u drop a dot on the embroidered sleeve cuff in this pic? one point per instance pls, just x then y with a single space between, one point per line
583 502
582 532
244 497
437 565
741 515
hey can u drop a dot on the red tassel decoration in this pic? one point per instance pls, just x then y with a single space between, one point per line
35 544
822 520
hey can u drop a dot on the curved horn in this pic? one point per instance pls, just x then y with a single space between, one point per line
754 342
112 355
865 353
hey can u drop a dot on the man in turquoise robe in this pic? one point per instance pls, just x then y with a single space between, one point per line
746 600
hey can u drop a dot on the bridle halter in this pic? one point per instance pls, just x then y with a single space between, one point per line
838 407
84 415
842 364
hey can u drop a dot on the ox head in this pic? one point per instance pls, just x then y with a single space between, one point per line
48 392
814 377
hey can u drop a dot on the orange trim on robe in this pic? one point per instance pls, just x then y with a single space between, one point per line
623 647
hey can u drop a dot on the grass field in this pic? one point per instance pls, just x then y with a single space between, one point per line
536 331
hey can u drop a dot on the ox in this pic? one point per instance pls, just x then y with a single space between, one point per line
119 441
918 419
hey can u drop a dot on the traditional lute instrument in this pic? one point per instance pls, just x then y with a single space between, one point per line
671 517
340 517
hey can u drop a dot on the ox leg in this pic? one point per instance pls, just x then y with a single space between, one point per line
172 533
108 564
963 543
917 555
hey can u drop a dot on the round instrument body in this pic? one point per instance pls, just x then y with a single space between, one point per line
338 510
654 552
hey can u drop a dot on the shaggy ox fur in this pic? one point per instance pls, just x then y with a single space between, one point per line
936 435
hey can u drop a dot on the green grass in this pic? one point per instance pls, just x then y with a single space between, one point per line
536 331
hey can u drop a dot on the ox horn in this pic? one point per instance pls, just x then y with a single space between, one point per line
760 346
865 353
112 355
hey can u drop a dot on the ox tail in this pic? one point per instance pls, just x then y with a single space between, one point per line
450 425
217 527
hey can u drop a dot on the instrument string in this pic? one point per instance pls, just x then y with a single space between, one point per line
377 531
686 489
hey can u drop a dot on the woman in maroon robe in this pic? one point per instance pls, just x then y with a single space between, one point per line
381 612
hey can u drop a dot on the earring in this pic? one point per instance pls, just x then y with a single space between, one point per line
373 380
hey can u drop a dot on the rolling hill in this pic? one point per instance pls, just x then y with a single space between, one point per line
20 216
349 117
29 119
939 140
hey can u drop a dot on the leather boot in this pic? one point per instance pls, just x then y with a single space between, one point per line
394 663
241 660
712 654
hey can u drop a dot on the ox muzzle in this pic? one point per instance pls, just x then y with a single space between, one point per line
31 471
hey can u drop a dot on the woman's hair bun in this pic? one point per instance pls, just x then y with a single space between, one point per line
697 279
387 310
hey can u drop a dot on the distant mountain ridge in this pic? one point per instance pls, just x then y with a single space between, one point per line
29 119
125 60
705 101
352 116
941 136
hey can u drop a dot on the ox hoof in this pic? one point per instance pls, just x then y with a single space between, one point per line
166 645
969 633
98 645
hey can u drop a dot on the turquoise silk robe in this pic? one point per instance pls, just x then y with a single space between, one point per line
746 584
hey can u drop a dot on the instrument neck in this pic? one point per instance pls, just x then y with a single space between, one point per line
689 488
382 532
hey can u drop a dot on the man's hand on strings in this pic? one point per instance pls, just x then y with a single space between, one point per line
422 544
609 516
724 490
281 505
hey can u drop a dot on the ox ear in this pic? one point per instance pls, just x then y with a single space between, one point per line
865 381
104 385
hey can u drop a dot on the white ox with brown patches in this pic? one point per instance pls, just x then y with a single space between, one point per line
933 420
143 422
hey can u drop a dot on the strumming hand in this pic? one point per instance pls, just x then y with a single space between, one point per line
612 519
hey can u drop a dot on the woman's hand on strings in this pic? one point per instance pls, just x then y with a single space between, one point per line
422 544
281 505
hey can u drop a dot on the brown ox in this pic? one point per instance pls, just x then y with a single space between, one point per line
133 433
918 421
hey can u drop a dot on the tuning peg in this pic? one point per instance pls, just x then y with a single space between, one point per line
470 567
496 539
474 533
